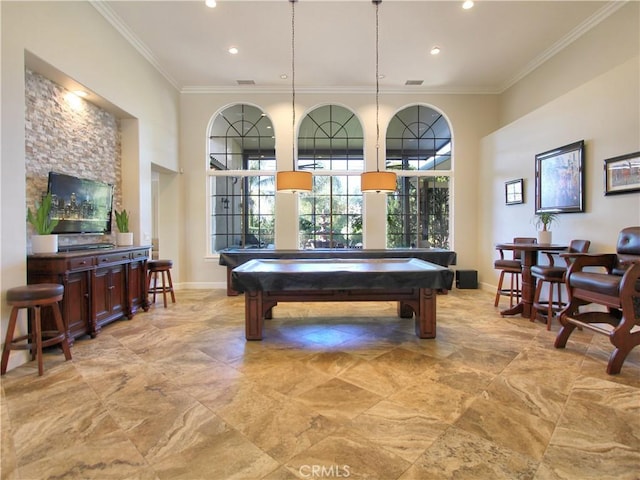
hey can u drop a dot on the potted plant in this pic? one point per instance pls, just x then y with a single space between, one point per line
124 237
543 221
44 240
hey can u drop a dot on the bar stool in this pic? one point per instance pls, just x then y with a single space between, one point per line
554 276
34 297
513 267
162 267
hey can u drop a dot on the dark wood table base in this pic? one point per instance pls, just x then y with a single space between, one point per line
419 301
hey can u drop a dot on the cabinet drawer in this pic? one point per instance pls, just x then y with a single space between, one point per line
139 254
80 262
113 258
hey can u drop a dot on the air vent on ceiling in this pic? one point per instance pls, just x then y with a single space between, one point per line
246 82
414 82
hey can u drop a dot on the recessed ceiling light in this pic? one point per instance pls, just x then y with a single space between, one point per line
210 3
284 76
467 4
435 50
233 50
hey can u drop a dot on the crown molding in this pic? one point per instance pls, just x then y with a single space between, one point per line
567 40
107 12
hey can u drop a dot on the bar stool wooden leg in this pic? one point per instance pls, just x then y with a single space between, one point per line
164 289
173 296
9 339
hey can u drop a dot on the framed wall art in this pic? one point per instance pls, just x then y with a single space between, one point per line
513 192
622 174
560 179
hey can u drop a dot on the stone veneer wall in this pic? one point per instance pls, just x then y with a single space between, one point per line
67 134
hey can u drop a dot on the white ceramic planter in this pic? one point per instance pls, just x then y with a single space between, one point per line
544 236
124 239
44 243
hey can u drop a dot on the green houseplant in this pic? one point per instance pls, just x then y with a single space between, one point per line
43 241
124 237
543 221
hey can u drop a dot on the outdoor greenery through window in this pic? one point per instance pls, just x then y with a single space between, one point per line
419 144
241 185
330 143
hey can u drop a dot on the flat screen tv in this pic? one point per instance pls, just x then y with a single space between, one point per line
80 205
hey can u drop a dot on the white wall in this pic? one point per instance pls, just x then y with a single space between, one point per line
605 46
605 113
471 117
76 40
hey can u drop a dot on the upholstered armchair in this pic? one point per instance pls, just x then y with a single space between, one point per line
617 288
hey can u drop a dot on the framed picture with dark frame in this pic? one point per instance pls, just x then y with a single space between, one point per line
513 192
560 179
622 174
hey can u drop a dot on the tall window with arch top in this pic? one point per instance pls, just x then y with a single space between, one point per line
241 179
330 143
419 147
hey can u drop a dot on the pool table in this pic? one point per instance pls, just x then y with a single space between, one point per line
234 257
413 283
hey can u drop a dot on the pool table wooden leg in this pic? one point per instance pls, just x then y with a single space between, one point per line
253 315
426 317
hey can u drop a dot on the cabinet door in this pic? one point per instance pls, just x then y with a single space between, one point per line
117 291
75 304
109 295
137 286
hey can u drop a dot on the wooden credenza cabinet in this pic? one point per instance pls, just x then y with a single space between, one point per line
100 285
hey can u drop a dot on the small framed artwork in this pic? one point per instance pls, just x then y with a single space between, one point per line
513 192
560 179
622 174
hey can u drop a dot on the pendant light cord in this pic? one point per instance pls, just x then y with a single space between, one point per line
293 84
377 3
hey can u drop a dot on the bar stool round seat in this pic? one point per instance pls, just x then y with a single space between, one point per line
162 267
33 297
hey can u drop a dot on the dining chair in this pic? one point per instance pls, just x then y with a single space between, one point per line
513 267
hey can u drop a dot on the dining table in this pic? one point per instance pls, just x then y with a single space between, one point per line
529 258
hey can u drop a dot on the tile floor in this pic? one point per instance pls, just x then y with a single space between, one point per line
333 391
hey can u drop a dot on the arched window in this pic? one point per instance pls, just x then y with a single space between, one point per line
419 145
330 143
241 185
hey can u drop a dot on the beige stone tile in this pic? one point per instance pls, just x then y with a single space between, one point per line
403 431
338 400
53 430
105 457
463 455
228 455
459 376
508 427
330 363
346 454
435 400
279 426
389 372
575 453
